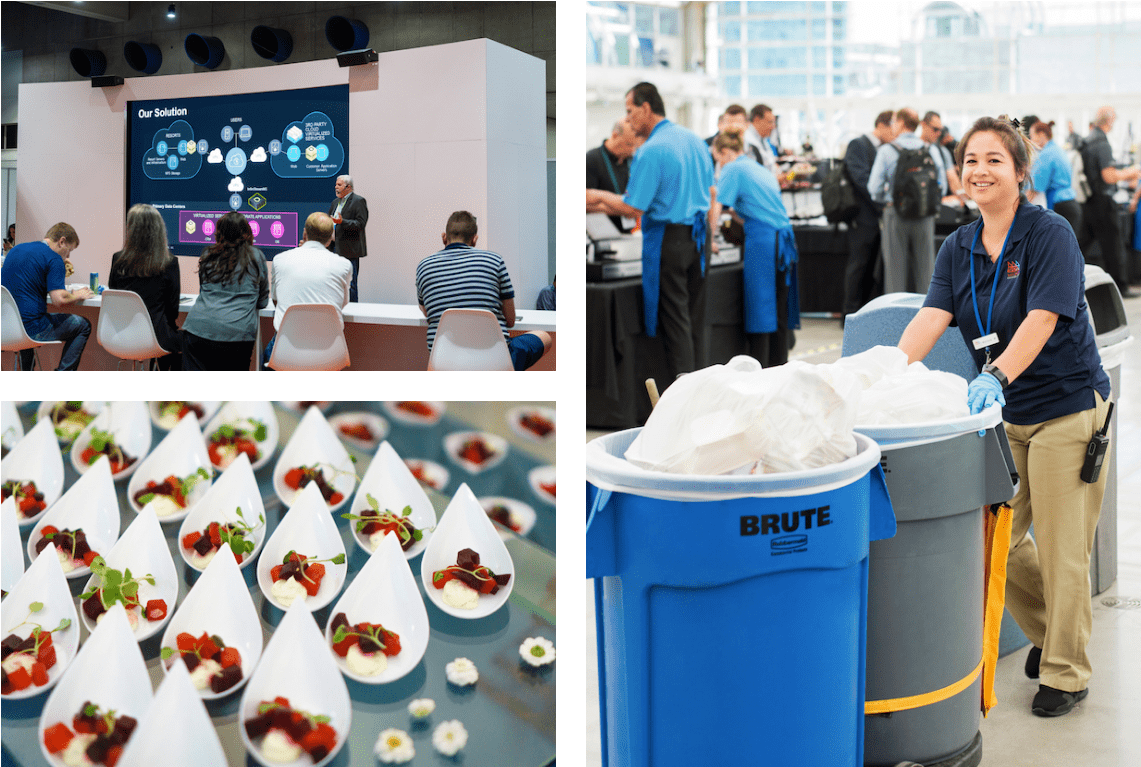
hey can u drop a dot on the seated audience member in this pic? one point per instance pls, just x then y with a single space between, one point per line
220 330
33 270
461 277
10 239
546 299
309 274
146 266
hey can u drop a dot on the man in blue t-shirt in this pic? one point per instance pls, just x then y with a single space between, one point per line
33 270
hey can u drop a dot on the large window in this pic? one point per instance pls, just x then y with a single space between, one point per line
730 58
782 29
764 86
731 9
778 58
731 31
731 86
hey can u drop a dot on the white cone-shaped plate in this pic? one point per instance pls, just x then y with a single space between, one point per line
208 411
90 504
219 604
36 459
308 529
407 416
177 731
66 434
12 564
299 666
315 442
143 549
454 443
43 582
515 420
431 473
181 453
377 425
522 514
109 671
237 488
385 592
465 525
11 427
131 427
239 414
301 407
539 476
390 482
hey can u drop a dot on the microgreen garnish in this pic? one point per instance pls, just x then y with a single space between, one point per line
115 585
74 543
170 652
386 517
16 487
186 484
108 717
234 533
103 442
314 719
482 572
238 429
337 560
39 631
374 632
71 411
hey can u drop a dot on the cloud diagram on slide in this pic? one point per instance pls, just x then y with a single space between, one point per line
215 156
173 153
308 149
236 184
259 155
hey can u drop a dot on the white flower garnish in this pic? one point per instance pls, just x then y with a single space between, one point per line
538 651
421 707
394 747
449 737
462 672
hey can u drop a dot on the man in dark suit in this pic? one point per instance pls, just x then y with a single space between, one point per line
860 283
350 213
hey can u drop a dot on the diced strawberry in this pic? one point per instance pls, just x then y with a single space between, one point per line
20 678
237 557
156 609
275 572
113 755
57 737
336 498
47 656
316 571
279 700
48 530
206 646
230 657
39 674
186 642
247 447
45 639
311 587
215 534
440 577
391 642
293 478
89 557
190 539
342 648
294 556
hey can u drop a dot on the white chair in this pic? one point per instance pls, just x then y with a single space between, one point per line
126 331
16 339
311 337
469 339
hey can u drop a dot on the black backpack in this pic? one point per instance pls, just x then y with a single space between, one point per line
915 188
838 196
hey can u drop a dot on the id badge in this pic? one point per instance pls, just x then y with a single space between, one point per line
982 342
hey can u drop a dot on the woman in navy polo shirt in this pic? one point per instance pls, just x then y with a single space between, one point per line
1013 282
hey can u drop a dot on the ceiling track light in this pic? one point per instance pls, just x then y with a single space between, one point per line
171 13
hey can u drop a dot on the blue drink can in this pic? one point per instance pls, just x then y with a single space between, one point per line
94 284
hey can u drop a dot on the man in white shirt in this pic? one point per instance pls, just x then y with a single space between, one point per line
763 122
309 274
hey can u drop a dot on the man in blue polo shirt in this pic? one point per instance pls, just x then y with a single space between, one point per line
33 270
670 178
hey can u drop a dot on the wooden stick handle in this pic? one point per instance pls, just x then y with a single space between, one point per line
652 390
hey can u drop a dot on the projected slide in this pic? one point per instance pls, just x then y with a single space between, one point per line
274 157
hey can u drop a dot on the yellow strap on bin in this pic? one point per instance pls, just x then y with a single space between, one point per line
994 599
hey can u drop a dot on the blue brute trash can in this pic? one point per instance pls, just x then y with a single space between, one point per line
731 610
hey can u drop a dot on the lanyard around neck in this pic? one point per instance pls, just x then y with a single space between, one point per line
610 169
998 265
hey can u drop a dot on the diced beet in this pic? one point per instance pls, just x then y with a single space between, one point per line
113 755
10 643
124 726
369 645
340 619
502 580
97 749
42 544
82 723
203 545
468 559
297 727
93 607
81 547
319 752
229 677
4 684
259 725
191 660
291 569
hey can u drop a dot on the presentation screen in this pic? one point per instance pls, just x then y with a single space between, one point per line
274 157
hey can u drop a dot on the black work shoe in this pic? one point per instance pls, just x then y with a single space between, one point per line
1053 702
1033 659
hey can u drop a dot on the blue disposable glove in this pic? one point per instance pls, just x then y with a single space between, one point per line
983 392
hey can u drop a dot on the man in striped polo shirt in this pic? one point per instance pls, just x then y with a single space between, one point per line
461 277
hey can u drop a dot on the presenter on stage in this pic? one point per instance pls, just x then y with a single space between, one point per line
670 177
350 214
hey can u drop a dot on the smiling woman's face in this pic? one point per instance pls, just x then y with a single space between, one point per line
989 176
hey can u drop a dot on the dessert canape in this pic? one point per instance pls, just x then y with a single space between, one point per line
358 431
537 424
170 496
210 662
26 660
230 439
69 418
365 646
372 524
476 450
299 576
170 413
286 732
103 443
503 515
463 582
420 409
95 737
70 545
29 500
425 473
299 477
205 544
548 487
119 586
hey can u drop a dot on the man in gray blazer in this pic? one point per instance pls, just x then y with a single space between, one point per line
350 214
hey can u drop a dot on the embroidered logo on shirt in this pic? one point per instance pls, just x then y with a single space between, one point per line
1012 269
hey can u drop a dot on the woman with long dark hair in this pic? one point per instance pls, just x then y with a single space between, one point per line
145 266
233 284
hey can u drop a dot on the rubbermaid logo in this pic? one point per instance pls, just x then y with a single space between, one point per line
788 542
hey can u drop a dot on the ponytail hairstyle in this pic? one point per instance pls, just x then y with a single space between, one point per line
1014 139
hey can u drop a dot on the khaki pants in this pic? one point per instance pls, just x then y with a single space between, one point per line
1047 576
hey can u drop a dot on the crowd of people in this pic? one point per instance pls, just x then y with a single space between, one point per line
220 329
